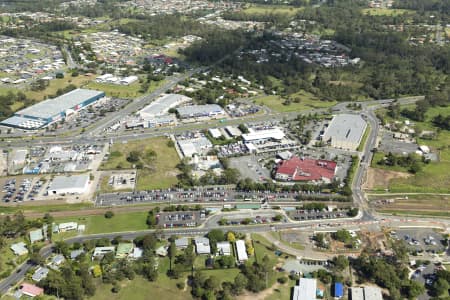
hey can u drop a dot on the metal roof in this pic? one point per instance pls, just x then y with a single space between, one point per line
69 182
199 110
162 105
273 133
306 289
52 107
241 250
346 127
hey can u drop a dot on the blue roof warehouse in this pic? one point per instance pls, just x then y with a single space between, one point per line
49 111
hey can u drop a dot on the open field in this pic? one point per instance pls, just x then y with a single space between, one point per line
117 90
308 101
379 178
438 205
157 172
260 9
140 288
120 222
278 235
385 11
34 208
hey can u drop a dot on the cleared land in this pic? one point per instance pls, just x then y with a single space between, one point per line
259 9
158 171
429 205
379 178
385 11
307 101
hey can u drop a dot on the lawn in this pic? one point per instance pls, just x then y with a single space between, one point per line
131 221
307 101
282 292
295 245
385 11
157 173
364 138
140 288
124 91
44 208
261 9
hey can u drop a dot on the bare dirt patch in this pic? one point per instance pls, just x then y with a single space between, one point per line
379 178
259 296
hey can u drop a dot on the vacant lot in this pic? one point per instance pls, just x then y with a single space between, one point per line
379 178
155 159
385 11
257 9
307 101
131 221
437 205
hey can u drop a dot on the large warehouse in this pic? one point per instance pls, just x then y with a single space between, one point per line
62 185
345 131
162 105
52 110
199 111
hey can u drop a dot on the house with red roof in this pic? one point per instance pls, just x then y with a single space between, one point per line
305 169
31 290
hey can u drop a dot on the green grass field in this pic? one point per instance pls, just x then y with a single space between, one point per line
295 245
130 221
385 11
120 91
157 174
308 101
260 9
45 208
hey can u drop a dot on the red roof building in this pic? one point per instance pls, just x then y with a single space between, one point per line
31 290
305 169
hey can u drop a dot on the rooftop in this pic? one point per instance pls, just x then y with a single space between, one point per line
52 107
307 169
306 289
162 105
272 133
199 110
31 290
66 182
346 127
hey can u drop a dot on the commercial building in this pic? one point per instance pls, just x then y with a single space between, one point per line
199 145
305 169
233 131
241 251
52 110
19 249
365 293
62 185
215 133
162 105
202 245
262 136
182 243
305 290
199 111
345 131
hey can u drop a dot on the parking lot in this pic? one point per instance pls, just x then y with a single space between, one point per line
21 189
301 215
420 240
249 167
180 219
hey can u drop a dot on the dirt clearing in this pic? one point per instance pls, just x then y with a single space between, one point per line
378 178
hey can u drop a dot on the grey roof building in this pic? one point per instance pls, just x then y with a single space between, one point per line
345 131
195 111
77 184
40 274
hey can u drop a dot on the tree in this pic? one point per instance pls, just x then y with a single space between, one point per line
240 282
109 214
231 237
440 287
340 263
59 75
133 156
171 252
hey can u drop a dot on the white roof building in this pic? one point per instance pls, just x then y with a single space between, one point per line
77 184
182 243
101 251
241 251
202 245
128 80
258 136
224 248
366 293
233 131
162 105
305 290
67 226
19 248
345 131
215 133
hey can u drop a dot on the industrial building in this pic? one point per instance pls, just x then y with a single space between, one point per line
241 251
305 169
162 105
199 111
262 136
345 131
199 145
49 111
305 290
366 293
62 185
